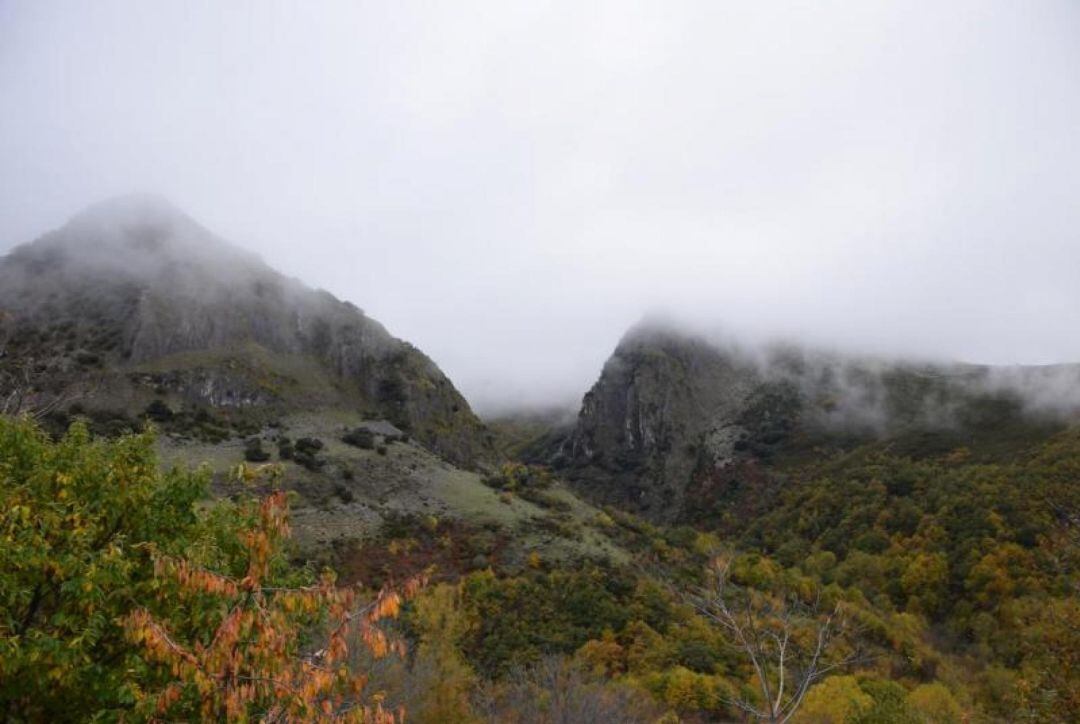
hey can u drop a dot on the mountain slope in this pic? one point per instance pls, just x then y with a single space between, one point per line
673 413
133 301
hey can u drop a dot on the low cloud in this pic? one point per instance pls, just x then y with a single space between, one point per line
511 187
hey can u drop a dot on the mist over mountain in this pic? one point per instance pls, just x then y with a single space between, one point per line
673 405
132 300
556 362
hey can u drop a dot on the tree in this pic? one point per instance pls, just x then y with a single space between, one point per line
787 642
836 699
439 680
20 392
73 516
258 663
935 704
556 691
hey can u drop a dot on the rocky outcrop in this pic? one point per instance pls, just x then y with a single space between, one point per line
133 284
663 401
673 412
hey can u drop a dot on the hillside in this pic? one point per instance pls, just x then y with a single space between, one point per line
673 412
133 314
931 508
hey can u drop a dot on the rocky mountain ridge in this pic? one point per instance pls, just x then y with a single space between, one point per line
673 408
132 301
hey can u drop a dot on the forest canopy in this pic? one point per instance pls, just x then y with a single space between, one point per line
947 588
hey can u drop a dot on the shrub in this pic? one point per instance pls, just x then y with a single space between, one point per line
309 445
285 448
361 437
308 459
253 451
516 476
253 662
74 562
159 411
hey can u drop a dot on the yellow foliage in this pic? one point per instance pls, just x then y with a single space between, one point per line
936 704
833 701
251 666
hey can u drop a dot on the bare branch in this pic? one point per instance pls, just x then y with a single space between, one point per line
786 641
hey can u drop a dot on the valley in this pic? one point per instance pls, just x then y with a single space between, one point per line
934 505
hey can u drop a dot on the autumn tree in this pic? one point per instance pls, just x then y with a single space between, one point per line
74 517
261 661
555 690
787 642
439 680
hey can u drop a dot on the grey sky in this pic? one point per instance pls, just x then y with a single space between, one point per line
510 185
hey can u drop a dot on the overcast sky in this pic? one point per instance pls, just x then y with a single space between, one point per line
510 185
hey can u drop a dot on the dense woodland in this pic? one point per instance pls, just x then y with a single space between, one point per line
873 587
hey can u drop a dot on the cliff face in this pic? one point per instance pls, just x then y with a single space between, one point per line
134 292
673 414
641 428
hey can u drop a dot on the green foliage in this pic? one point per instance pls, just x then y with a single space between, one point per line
837 699
962 544
935 704
78 521
306 453
515 477
361 437
442 677
958 572
520 619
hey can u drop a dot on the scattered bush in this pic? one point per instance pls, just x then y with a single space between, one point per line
308 460
361 437
517 476
159 411
305 453
285 448
309 444
253 451
344 494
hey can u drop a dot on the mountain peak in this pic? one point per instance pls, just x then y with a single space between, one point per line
143 237
143 206
134 284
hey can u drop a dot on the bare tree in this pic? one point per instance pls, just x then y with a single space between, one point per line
21 390
788 642
555 690
17 393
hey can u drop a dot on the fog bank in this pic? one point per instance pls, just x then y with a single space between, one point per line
511 187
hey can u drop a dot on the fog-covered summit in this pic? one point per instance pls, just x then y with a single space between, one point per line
673 404
134 281
140 237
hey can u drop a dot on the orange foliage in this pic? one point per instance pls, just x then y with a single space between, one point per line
252 668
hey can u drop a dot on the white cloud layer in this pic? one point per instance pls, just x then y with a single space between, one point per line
510 185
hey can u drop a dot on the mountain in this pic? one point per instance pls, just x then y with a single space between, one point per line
675 414
132 313
132 303
931 507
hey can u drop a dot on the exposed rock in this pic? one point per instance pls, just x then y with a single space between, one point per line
151 294
659 398
672 410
